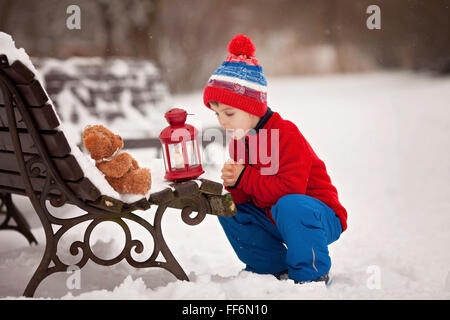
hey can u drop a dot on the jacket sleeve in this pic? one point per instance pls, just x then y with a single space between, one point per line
291 176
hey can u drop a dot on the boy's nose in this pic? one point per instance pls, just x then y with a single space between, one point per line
223 124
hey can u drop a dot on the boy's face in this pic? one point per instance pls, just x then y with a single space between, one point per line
236 122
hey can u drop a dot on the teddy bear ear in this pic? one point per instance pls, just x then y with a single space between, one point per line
117 141
87 130
98 146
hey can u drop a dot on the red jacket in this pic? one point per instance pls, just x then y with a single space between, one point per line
298 170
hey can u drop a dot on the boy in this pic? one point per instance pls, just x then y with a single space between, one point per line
288 211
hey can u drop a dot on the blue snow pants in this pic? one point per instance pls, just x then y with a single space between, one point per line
305 226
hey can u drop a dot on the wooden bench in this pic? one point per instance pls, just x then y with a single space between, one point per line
36 161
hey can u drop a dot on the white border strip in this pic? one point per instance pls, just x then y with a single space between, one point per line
242 82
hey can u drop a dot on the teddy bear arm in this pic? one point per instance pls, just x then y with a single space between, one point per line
116 167
136 181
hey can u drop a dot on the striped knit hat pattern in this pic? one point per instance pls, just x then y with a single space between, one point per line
239 81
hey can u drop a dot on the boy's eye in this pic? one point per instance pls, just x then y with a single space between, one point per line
227 114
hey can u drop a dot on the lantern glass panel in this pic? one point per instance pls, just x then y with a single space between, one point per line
176 156
197 151
192 153
166 165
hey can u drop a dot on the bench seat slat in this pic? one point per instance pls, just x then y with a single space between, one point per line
83 188
68 166
44 117
18 72
55 142
33 93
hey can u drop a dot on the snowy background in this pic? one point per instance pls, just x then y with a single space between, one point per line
384 137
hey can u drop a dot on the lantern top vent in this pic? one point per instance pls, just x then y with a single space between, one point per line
176 116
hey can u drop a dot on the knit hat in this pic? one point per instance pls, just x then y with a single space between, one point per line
239 81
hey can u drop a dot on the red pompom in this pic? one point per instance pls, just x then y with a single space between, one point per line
241 44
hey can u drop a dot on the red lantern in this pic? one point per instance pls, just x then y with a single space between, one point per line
180 147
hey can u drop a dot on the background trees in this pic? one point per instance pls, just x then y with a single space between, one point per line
187 39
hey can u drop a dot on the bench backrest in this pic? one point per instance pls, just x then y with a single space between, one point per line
31 93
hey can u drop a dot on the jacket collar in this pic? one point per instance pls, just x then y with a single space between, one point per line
261 123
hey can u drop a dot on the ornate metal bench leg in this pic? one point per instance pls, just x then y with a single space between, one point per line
10 211
42 270
50 255
186 203
51 263
171 263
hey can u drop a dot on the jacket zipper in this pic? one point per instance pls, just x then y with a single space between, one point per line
247 152
268 209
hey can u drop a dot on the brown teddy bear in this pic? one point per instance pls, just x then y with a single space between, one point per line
120 169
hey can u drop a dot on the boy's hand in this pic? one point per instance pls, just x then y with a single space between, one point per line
230 172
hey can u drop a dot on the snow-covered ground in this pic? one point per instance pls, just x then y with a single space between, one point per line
385 139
